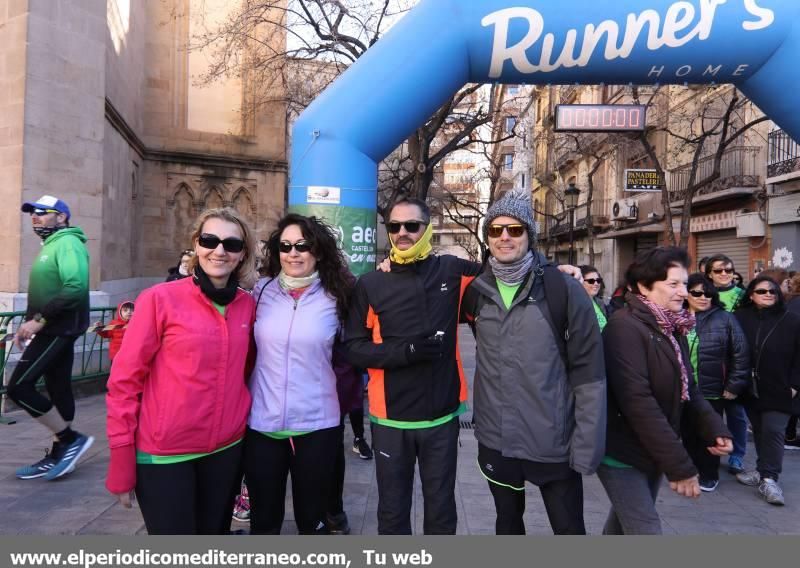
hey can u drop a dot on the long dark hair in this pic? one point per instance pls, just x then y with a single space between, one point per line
335 276
708 287
588 269
747 301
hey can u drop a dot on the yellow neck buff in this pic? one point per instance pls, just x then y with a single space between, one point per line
420 251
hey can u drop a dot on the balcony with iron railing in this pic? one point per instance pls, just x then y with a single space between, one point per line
558 224
740 174
783 155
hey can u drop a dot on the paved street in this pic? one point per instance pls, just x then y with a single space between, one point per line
79 504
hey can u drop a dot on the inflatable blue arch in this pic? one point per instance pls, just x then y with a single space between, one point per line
441 45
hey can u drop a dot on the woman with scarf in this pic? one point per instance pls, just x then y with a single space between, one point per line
773 334
650 388
177 395
294 424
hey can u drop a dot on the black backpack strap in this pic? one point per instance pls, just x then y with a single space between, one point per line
555 295
470 307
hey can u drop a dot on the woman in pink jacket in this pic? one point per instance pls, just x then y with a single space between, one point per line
177 396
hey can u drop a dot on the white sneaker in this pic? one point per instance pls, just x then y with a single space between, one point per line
771 491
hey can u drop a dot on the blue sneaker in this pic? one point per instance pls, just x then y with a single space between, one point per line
41 467
69 456
735 465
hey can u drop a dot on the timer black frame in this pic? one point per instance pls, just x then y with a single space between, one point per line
625 124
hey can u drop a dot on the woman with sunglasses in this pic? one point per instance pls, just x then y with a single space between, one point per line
177 395
593 284
294 423
650 388
721 362
773 335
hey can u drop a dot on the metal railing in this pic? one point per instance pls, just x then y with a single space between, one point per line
784 154
90 359
740 167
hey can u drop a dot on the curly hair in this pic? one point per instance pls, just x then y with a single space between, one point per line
335 276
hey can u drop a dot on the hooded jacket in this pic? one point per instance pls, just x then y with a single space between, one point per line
775 356
58 285
178 385
644 396
116 335
293 382
528 404
723 357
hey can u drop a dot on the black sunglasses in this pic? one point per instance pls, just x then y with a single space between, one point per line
299 246
762 291
593 280
411 226
721 270
515 230
231 244
699 293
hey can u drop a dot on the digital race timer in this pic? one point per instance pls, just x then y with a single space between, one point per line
600 118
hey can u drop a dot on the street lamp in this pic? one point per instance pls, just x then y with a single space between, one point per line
571 201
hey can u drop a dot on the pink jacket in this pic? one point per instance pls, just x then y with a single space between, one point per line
178 386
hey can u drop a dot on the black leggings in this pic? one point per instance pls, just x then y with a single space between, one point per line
50 356
310 458
191 497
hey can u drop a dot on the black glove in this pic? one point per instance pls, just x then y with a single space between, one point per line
423 348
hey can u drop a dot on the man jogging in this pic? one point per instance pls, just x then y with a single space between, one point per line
57 313
540 390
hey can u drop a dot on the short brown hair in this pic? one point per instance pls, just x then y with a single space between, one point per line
246 271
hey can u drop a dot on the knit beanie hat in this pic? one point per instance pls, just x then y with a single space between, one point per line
516 204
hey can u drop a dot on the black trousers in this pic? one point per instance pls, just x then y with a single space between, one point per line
191 497
769 429
50 356
560 486
707 465
336 494
310 459
396 452
357 422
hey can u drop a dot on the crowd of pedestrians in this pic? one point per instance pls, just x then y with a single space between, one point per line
225 383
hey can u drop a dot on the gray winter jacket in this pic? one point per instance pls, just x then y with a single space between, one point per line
526 404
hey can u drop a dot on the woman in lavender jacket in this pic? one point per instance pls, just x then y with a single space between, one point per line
294 420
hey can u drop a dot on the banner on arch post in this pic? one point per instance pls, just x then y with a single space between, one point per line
355 227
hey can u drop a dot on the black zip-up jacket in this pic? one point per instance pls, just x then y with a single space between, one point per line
644 396
776 360
387 311
723 357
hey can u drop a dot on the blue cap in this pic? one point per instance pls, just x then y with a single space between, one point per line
46 202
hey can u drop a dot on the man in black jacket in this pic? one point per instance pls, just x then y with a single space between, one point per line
402 328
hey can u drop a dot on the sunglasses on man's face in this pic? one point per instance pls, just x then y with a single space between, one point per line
515 230
762 291
42 212
721 270
699 294
299 246
231 244
593 280
411 226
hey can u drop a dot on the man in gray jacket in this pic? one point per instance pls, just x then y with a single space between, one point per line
540 390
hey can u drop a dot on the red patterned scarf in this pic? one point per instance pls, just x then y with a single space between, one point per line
671 322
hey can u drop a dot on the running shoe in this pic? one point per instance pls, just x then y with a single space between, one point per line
708 485
69 456
338 524
793 444
771 491
41 467
361 447
751 478
735 465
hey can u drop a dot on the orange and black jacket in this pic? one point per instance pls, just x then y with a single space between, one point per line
388 309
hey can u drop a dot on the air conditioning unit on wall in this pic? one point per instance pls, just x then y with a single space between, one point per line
624 210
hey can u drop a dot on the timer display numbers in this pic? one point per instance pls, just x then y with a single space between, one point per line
600 118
